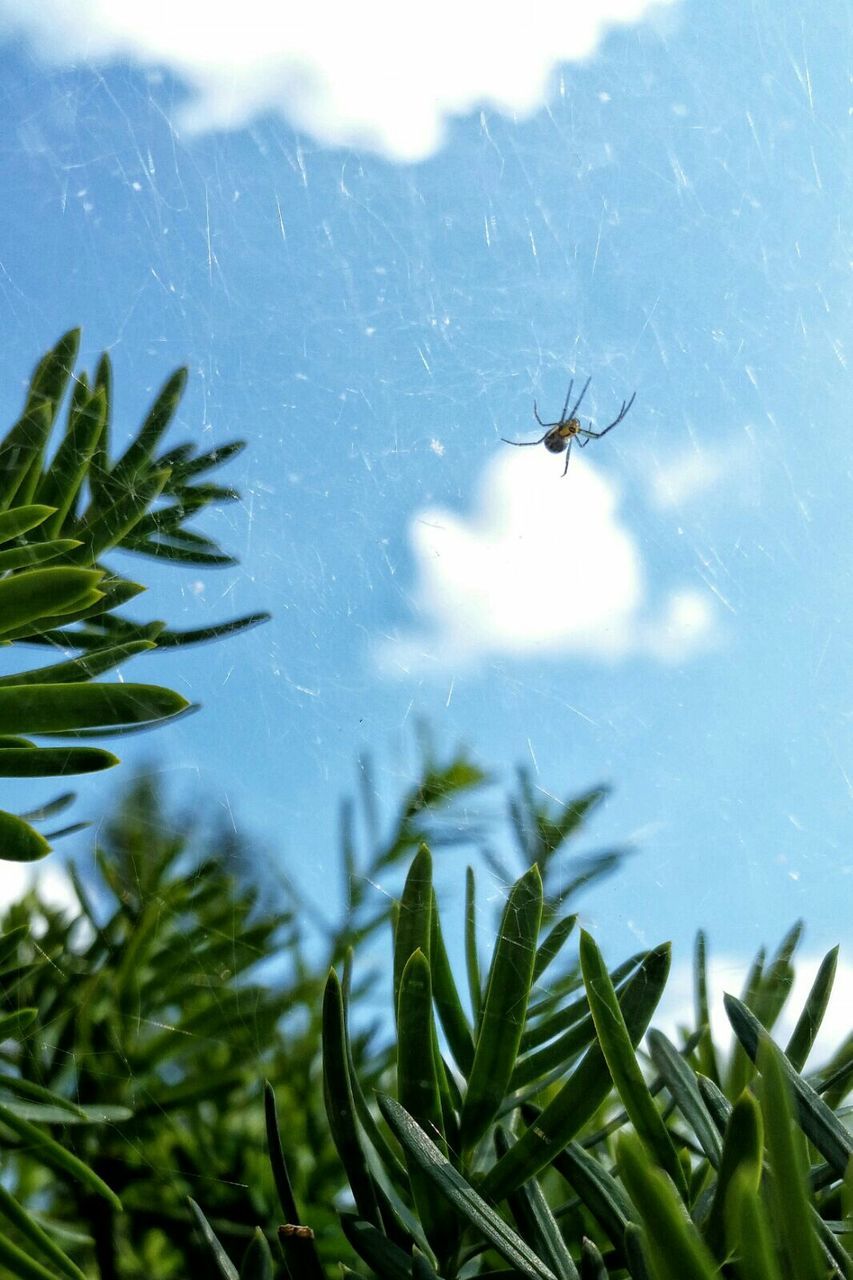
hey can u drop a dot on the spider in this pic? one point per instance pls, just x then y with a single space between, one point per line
560 435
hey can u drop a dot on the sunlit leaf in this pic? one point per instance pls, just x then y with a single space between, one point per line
21 519
787 1157
618 1050
48 762
18 841
37 708
40 593
504 1006
675 1246
818 1121
224 1265
584 1091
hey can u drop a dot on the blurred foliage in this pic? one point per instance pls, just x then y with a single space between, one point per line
162 998
64 505
513 1128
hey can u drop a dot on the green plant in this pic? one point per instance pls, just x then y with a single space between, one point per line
136 1031
59 516
459 1164
148 1013
151 1010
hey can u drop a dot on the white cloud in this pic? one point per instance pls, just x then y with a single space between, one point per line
543 565
696 471
727 974
379 75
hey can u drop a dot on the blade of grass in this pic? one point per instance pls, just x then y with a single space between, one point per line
224 1264
21 454
257 1263
460 1194
82 668
472 960
21 519
706 1053
740 1069
809 1022
504 1007
560 1052
598 1190
684 1091
38 708
413 925
742 1156
635 1252
28 597
676 1250
39 1240
719 1107
63 479
553 945
819 1123
584 1091
536 1222
140 451
447 1000
785 1150
340 1107
622 1062
52 1153
19 841
549 1020
300 1253
386 1259
50 762
417 1088
750 1241
21 1265
592 1263
108 528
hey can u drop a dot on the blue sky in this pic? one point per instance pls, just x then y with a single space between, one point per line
374 251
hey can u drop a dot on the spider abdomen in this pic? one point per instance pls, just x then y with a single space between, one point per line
555 442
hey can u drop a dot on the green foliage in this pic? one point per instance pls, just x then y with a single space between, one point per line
150 1014
671 1179
151 1031
60 513
138 1031
141 1028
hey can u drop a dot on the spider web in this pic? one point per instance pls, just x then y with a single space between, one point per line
672 616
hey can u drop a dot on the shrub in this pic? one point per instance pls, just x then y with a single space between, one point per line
59 517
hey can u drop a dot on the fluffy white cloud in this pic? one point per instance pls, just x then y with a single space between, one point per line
543 565
379 75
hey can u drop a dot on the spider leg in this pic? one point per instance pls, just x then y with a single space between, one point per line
596 435
522 443
563 417
568 455
582 443
578 401
545 424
